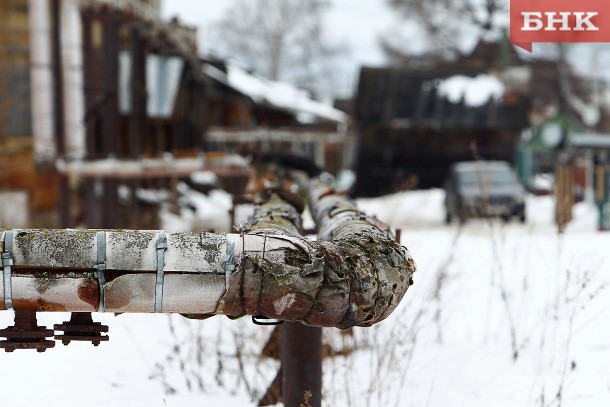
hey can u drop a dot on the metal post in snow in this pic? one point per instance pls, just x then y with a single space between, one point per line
301 355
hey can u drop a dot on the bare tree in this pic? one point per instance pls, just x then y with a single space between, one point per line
444 25
281 40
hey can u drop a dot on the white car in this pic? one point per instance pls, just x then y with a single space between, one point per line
483 189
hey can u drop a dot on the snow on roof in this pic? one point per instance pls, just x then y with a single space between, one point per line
277 94
204 178
517 76
475 91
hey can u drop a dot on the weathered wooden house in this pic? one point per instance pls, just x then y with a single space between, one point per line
18 174
98 94
410 131
412 123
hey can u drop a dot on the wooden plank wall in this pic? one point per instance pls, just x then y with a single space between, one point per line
17 169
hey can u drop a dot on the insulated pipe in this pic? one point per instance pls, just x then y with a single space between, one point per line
382 270
356 277
269 269
54 270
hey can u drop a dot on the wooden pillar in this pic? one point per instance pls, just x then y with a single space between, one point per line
137 121
564 195
64 201
89 82
110 113
137 124
92 139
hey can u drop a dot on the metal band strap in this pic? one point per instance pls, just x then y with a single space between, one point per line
100 268
7 264
161 247
228 262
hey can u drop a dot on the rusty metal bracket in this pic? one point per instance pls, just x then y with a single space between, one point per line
81 327
161 247
100 268
7 264
26 334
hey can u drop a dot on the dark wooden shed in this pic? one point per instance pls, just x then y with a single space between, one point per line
409 132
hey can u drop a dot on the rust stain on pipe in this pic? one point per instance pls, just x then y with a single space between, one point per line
39 305
88 292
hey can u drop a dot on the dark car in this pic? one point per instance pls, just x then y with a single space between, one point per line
483 189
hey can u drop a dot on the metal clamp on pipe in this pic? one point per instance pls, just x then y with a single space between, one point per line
228 262
161 247
100 269
7 264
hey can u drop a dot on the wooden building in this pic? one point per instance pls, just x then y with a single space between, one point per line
137 107
18 172
410 128
409 133
86 81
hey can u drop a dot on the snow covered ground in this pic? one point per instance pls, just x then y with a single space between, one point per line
499 315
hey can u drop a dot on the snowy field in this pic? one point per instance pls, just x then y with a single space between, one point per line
499 315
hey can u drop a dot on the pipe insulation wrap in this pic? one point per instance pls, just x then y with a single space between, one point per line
53 269
382 270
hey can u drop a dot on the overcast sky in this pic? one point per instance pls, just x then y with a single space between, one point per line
358 23
355 23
